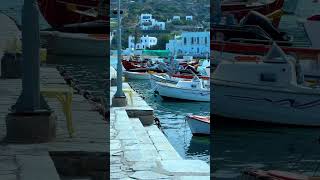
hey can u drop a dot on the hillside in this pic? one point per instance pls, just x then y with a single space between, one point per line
161 10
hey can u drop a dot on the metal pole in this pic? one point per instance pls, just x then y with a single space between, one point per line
119 92
30 98
217 11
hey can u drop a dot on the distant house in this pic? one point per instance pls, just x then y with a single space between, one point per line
190 43
189 18
176 18
149 23
112 34
143 43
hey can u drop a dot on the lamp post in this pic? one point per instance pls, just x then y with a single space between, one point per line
217 11
119 99
31 119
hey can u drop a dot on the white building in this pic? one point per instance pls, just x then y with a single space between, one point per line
112 34
189 18
143 43
148 23
176 18
190 43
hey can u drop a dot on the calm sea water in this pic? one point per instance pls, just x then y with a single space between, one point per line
172 117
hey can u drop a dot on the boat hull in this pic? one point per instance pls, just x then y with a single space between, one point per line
167 90
278 107
242 9
136 75
198 127
260 49
157 78
68 11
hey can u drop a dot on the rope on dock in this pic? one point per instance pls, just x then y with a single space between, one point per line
97 102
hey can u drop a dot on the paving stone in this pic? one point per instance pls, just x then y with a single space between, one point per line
129 135
115 144
148 175
169 155
185 166
7 164
119 175
195 178
132 155
142 166
8 177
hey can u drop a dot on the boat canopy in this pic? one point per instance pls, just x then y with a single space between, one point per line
159 53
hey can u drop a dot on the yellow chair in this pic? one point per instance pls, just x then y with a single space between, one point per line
64 95
130 93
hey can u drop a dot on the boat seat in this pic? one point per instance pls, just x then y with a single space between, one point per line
64 95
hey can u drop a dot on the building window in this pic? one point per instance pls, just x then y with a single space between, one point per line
198 40
198 50
185 40
191 40
205 40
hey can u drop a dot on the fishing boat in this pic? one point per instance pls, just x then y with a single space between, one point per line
254 37
241 9
164 78
78 44
136 75
72 11
199 125
191 90
271 90
174 78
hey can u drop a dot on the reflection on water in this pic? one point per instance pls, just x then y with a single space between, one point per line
91 72
240 146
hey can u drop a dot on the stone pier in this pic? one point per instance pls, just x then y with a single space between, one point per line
139 149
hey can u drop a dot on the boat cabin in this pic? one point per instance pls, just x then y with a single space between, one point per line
276 69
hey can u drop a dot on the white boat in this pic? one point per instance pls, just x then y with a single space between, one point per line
76 44
270 90
136 75
192 90
165 78
199 125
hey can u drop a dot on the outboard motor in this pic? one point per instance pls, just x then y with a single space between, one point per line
257 19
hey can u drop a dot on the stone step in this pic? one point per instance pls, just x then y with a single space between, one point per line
146 145
162 144
127 138
37 167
